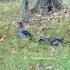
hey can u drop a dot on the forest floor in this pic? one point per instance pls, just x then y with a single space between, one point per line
17 53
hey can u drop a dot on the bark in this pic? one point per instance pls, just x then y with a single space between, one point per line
45 6
25 13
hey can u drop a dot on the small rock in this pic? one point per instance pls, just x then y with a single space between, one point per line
1 40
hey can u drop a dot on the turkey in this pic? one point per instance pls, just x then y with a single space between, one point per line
23 32
51 41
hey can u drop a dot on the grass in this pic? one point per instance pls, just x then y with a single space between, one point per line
17 53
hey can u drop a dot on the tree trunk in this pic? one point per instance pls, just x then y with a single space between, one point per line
25 13
45 6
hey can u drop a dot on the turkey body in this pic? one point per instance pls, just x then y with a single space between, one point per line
51 41
24 33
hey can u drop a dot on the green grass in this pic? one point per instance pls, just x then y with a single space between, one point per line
21 54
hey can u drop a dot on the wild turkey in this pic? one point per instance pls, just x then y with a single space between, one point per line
51 41
23 32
